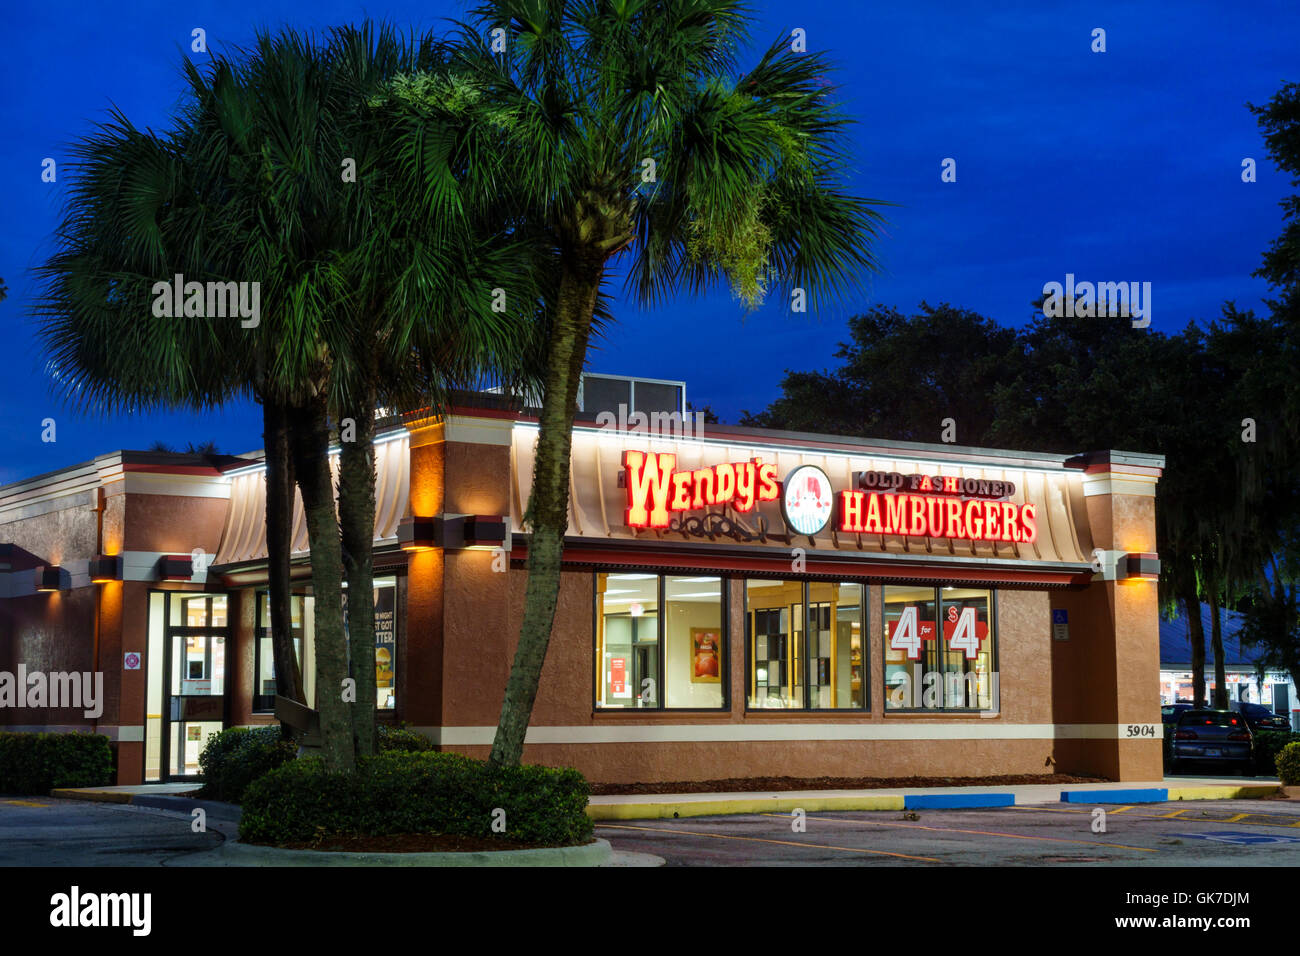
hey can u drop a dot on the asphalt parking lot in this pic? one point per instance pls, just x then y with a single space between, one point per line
45 831
1177 834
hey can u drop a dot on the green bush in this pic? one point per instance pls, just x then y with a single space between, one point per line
1288 764
234 758
38 763
399 738
428 792
1267 745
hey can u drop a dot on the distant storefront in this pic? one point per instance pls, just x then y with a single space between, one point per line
1245 677
734 603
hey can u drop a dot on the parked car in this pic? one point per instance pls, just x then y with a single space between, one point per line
1259 717
1169 713
1212 738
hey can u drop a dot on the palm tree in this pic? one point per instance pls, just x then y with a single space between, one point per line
632 135
347 204
361 281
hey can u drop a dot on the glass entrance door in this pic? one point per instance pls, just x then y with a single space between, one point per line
197 639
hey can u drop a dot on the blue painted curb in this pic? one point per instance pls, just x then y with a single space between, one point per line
956 801
1152 795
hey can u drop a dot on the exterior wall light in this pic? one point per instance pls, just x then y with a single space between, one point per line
49 578
175 567
105 568
484 532
1141 566
417 534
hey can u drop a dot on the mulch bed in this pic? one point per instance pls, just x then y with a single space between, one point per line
412 843
768 784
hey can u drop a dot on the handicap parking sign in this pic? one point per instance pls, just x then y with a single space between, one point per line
1237 838
1060 624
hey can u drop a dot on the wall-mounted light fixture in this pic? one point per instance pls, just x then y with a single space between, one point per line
484 532
1139 566
49 578
175 567
417 533
452 532
105 568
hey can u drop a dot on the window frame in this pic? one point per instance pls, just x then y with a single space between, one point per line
864 624
260 630
598 672
941 649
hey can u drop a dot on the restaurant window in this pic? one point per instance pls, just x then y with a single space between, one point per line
939 648
649 659
264 663
805 645
385 598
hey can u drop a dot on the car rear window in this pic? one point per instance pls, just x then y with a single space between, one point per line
1210 718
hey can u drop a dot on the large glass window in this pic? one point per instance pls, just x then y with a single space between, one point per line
695 642
805 645
835 649
968 673
264 665
302 607
943 660
648 659
385 641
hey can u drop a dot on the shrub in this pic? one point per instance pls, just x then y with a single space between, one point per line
399 738
429 792
38 763
234 758
1267 745
1288 764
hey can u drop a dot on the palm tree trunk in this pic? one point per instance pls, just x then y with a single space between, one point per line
1216 642
1196 634
548 509
309 435
357 526
279 521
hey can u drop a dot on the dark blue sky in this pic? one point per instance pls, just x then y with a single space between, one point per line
1123 165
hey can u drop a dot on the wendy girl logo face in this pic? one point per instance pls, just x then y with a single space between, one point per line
807 499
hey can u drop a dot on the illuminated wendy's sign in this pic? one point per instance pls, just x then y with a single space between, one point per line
655 487
884 503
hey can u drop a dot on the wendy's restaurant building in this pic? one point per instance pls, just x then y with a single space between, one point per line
734 602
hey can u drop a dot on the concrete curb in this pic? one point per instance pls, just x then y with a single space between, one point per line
743 804
94 796
215 809
711 808
1245 792
597 853
1117 795
957 801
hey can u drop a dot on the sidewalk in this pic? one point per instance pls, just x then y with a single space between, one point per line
658 806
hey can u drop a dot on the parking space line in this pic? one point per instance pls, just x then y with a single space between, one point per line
24 803
726 836
1245 819
1010 836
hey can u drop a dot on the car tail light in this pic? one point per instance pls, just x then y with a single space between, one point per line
1239 735
1185 735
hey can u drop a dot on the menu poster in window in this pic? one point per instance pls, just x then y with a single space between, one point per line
706 652
385 645
618 678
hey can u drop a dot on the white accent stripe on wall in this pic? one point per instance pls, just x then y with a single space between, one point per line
126 735
716 733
